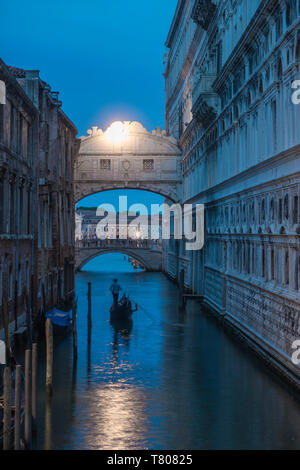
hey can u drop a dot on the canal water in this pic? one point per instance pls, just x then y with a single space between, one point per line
169 383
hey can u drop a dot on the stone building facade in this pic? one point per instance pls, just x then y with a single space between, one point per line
38 145
127 156
18 157
55 201
229 74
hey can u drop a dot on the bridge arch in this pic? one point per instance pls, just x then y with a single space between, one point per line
83 193
143 252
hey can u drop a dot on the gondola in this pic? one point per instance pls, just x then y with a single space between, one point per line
61 321
122 312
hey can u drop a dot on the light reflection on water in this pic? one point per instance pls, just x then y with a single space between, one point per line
164 382
118 413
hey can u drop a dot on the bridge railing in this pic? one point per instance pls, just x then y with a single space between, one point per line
153 245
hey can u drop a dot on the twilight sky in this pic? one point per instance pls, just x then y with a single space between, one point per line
104 56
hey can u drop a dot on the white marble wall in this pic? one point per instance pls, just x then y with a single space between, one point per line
244 165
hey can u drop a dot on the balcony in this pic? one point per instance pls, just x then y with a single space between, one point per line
203 12
205 100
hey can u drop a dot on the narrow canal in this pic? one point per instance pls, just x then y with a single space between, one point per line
169 383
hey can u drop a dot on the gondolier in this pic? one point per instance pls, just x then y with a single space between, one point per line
115 290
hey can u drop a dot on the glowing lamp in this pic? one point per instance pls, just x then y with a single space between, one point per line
117 133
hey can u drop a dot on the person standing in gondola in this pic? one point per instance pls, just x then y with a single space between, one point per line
115 289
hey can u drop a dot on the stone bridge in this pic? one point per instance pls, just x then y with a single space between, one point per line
147 252
127 156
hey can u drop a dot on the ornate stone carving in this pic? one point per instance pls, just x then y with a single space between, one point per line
205 100
203 12
203 112
126 165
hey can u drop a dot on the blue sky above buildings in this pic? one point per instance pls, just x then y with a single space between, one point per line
104 57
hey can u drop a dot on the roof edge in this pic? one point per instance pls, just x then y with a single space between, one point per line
179 8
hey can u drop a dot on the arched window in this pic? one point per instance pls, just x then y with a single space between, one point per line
297 55
252 212
236 112
296 210
249 99
262 211
286 206
272 210
278 26
263 261
237 215
244 212
251 65
222 125
288 14
272 264
287 267
279 69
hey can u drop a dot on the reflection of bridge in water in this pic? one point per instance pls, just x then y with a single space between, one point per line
147 252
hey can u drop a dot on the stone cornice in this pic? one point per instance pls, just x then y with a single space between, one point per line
11 81
269 163
67 121
175 22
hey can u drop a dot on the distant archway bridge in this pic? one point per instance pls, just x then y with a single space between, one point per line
147 252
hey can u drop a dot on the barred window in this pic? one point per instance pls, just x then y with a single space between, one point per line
105 164
148 165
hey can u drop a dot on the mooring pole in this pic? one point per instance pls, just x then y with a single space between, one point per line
181 289
7 408
16 305
28 320
48 423
17 435
74 322
49 356
8 352
27 431
34 385
89 309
